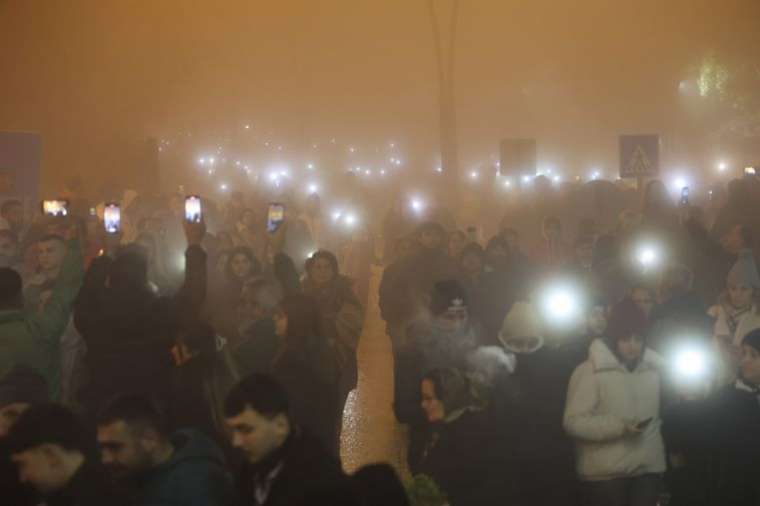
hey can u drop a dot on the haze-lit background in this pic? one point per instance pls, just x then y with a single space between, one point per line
96 78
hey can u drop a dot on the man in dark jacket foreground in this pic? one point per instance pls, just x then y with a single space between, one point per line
185 468
284 466
54 454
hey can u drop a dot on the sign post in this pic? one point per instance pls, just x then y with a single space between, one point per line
639 157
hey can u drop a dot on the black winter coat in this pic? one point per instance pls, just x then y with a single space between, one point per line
462 460
308 474
129 338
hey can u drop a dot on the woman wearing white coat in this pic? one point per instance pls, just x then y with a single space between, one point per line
613 414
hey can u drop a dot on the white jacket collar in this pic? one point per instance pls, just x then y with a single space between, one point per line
603 359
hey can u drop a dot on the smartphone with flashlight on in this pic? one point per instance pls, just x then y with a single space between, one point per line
685 196
193 210
112 218
275 217
55 207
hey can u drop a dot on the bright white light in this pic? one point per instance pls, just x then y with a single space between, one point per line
313 188
526 179
352 150
417 205
507 183
274 177
557 179
691 364
561 304
474 174
368 172
439 169
248 127
595 175
680 183
393 160
382 172
310 166
212 160
223 187
392 145
336 215
284 173
722 166
350 220
211 172
237 163
398 163
202 161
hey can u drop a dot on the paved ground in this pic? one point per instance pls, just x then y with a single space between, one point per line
370 431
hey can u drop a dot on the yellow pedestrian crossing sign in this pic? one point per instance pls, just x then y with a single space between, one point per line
639 155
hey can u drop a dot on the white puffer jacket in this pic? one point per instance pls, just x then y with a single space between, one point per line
603 397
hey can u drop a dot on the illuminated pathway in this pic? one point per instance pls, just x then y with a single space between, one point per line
370 431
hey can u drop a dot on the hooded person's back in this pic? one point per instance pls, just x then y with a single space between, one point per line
195 475
129 330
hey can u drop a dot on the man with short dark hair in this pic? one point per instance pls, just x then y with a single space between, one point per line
20 389
284 467
53 453
185 468
33 338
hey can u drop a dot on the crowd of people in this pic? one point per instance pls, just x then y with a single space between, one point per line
180 362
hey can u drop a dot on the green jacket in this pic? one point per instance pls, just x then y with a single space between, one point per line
194 476
32 338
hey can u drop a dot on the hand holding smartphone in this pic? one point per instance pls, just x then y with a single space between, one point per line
275 217
193 209
112 218
58 207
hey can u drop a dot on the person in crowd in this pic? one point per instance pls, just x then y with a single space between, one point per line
32 338
154 466
399 223
643 296
719 248
736 314
378 485
259 343
284 271
124 323
157 273
445 339
292 238
459 452
284 466
10 252
392 310
490 293
341 317
306 366
241 267
19 390
552 252
658 210
680 311
613 414
51 251
12 217
457 242
314 219
527 407
249 233
405 295
54 453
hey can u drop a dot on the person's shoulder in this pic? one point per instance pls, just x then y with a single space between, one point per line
308 456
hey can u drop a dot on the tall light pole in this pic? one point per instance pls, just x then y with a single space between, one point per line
447 112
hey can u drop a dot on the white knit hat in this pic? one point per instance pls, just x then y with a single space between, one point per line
521 321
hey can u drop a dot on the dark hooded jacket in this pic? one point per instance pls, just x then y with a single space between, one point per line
303 471
195 475
129 336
